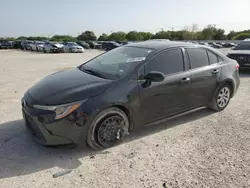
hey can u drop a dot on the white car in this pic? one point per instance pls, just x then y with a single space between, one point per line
37 46
53 47
72 47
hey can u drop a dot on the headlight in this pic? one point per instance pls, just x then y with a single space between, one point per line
61 110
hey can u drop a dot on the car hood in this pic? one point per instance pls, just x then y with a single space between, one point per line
58 45
67 86
239 52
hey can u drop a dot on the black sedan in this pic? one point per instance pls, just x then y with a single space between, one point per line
126 89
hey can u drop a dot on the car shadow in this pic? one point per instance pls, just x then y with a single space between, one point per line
21 155
244 73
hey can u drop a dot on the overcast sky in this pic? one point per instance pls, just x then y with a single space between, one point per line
49 17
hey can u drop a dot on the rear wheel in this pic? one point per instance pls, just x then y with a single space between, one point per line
108 128
221 98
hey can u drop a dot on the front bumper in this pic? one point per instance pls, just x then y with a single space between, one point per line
78 50
41 134
57 50
48 131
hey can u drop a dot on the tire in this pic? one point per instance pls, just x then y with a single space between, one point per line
99 126
70 50
44 51
221 98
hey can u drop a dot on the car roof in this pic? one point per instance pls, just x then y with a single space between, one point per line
160 44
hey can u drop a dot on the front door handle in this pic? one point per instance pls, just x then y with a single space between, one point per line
185 80
216 71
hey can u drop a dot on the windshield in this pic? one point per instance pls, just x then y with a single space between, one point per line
243 46
71 43
117 62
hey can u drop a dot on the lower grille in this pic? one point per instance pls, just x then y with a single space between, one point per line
242 59
33 127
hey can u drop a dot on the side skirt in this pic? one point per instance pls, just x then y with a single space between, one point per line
175 116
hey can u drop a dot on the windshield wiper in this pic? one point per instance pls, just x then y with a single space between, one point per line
93 72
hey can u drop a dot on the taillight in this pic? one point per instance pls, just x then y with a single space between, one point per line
237 66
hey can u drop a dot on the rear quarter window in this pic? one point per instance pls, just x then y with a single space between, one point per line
213 58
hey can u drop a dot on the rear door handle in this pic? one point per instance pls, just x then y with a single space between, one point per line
216 71
185 80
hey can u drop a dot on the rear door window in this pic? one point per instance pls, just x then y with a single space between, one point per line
198 57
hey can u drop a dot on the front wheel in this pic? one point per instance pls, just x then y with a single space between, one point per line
108 128
221 98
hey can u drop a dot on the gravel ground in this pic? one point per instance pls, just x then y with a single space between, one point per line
202 149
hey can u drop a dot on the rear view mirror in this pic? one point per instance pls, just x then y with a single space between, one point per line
155 76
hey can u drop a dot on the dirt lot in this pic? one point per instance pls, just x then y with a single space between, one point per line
203 149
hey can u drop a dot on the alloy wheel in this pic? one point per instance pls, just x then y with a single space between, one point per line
111 131
223 97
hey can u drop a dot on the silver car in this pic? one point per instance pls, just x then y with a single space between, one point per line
37 46
53 47
72 47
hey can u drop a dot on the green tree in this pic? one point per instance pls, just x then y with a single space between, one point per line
231 34
219 34
242 36
133 36
38 38
118 36
87 35
199 35
103 37
63 38
162 35
187 35
11 39
176 35
208 33
21 38
145 35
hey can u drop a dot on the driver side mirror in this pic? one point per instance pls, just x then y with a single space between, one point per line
155 76
233 48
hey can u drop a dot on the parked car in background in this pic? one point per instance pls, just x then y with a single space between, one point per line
214 45
53 47
127 89
37 46
94 45
110 45
5 44
17 44
194 42
230 45
26 44
126 42
29 45
241 54
72 47
97 45
84 44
